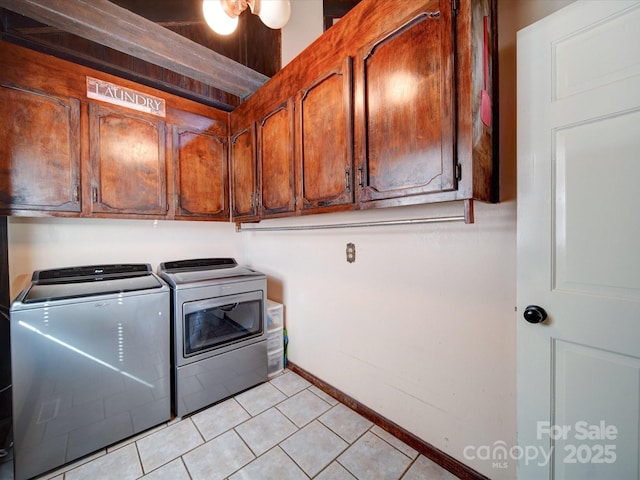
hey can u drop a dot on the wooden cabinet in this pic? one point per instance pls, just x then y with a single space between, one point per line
64 152
200 174
308 153
128 170
406 126
399 125
382 110
244 174
276 161
39 152
324 132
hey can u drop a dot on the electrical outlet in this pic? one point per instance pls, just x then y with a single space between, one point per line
351 252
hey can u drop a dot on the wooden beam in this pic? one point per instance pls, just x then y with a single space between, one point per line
164 11
108 24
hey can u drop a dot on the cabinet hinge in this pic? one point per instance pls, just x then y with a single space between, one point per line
458 172
254 200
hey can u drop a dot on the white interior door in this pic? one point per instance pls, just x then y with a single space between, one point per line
579 243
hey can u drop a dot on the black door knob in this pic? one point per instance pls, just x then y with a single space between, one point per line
535 314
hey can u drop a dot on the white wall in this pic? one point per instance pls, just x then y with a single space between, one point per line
39 243
304 27
420 328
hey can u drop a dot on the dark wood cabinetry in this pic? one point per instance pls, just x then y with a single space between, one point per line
324 132
394 121
382 110
200 174
244 174
276 161
128 169
39 152
67 154
406 126
300 158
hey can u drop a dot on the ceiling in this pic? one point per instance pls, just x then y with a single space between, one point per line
170 48
164 44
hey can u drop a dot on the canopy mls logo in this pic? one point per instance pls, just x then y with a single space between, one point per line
578 443
125 97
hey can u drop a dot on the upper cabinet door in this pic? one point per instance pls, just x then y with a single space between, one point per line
39 152
200 171
275 154
325 139
127 163
244 174
405 83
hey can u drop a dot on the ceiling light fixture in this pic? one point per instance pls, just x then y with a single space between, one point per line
222 15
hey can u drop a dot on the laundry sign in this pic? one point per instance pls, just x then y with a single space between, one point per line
124 97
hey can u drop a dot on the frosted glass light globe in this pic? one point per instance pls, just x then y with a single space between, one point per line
275 13
217 18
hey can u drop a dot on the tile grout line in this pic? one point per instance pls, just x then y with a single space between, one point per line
317 418
411 464
198 430
392 445
298 429
242 407
275 405
139 458
256 457
182 419
350 445
369 430
186 469
333 459
314 418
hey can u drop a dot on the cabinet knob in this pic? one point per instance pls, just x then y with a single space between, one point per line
535 314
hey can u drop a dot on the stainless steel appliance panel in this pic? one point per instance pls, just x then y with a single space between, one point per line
87 372
186 300
211 323
218 335
217 377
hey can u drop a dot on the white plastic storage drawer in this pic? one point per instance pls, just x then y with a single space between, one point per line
275 340
275 362
275 317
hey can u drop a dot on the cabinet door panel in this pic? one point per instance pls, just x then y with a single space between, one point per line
128 163
243 174
326 140
201 174
276 161
39 151
409 110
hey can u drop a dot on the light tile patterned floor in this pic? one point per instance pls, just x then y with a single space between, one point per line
285 429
